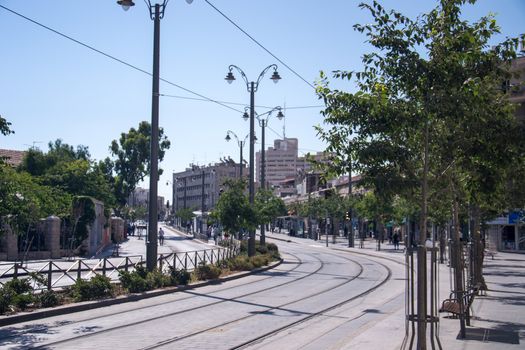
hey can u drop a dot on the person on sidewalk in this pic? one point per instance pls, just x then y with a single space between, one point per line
395 240
161 236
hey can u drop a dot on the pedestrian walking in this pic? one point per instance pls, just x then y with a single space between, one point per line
395 240
161 236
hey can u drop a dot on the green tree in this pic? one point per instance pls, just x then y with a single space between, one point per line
233 209
268 207
416 114
24 201
132 163
185 214
69 169
5 127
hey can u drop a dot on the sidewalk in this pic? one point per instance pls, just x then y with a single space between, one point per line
174 241
498 318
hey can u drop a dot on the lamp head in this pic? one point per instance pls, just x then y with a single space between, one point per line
275 77
228 138
280 115
189 2
126 4
229 77
245 116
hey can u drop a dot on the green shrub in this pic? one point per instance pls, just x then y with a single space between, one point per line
240 263
6 297
261 249
22 301
272 247
98 287
133 282
260 260
156 279
48 298
207 272
18 285
179 277
141 271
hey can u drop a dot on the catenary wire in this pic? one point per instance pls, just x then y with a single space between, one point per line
115 58
260 45
236 103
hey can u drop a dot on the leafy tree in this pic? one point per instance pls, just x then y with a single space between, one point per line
185 214
268 207
5 127
23 201
233 209
132 163
70 170
423 117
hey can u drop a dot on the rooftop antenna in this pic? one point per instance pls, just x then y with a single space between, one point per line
33 146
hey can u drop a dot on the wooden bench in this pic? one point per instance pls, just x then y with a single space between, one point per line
452 304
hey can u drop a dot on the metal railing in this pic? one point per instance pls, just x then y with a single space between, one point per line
61 273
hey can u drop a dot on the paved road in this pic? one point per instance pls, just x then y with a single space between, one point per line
317 299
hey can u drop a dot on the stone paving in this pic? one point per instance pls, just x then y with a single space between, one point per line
498 318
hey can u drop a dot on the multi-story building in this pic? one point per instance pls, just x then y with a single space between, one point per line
140 197
508 232
281 163
198 187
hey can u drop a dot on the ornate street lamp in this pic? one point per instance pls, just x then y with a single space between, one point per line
252 88
241 146
263 123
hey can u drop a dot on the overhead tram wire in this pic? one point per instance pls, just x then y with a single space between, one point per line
260 45
115 58
234 103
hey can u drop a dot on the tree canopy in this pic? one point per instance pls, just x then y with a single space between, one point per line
132 163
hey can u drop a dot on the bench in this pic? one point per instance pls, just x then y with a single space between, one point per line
452 304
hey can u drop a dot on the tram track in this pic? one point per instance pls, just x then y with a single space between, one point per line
269 309
173 341
316 314
141 322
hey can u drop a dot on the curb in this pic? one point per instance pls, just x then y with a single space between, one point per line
89 305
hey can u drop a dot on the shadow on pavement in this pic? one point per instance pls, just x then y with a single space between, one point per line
491 335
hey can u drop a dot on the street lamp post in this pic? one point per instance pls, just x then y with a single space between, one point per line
241 146
202 202
156 12
263 123
252 88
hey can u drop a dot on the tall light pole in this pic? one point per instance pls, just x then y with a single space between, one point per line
240 144
156 13
202 200
252 88
263 123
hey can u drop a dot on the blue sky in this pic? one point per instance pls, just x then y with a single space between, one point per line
51 87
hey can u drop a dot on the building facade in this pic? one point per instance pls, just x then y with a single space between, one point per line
507 232
281 163
198 187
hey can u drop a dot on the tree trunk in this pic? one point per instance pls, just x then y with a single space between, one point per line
422 253
457 263
477 278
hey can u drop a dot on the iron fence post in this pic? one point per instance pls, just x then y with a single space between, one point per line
49 275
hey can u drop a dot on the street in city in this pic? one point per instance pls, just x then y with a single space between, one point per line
318 298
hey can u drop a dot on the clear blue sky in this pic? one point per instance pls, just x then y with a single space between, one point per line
53 88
